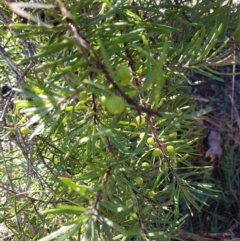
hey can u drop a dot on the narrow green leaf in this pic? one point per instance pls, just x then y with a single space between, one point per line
236 33
82 189
61 60
111 11
133 15
39 115
219 50
106 230
27 103
207 74
57 233
191 51
70 233
88 234
209 42
106 59
113 225
65 209
32 27
160 77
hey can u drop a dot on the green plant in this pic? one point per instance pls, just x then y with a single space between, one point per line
63 87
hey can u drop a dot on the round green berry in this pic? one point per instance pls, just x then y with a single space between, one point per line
103 100
151 194
150 141
145 164
156 152
25 130
170 149
123 74
138 180
115 105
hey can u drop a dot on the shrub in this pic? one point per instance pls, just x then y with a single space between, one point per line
83 172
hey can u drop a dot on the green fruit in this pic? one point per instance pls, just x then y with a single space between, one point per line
179 82
156 152
9 35
173 134
142 135
145 164
170 149
150 141
83 96
134 215
123 74
151 194
103 100
115 105
138 180
25 130
140 120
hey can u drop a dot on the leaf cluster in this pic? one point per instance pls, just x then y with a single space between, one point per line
118 190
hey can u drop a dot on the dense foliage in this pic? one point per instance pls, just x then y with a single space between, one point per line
98 131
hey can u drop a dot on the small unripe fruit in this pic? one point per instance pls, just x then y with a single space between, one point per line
123 74
156 152
150 141
25 130
134 215
140 120
173 134
138 180
103 100
9 35
151 194
179 81
115 105
145 164
170 149
142 135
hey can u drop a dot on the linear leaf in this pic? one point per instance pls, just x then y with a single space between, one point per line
57 233
65 209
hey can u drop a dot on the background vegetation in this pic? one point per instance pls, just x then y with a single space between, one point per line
73 168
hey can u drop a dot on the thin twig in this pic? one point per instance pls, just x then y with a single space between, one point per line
25 195
4 111
25 151
9 62
233 84
105 177
235 111
6 167
99 192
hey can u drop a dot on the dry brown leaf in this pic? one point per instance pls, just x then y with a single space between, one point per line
232 132
214 142
212 120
